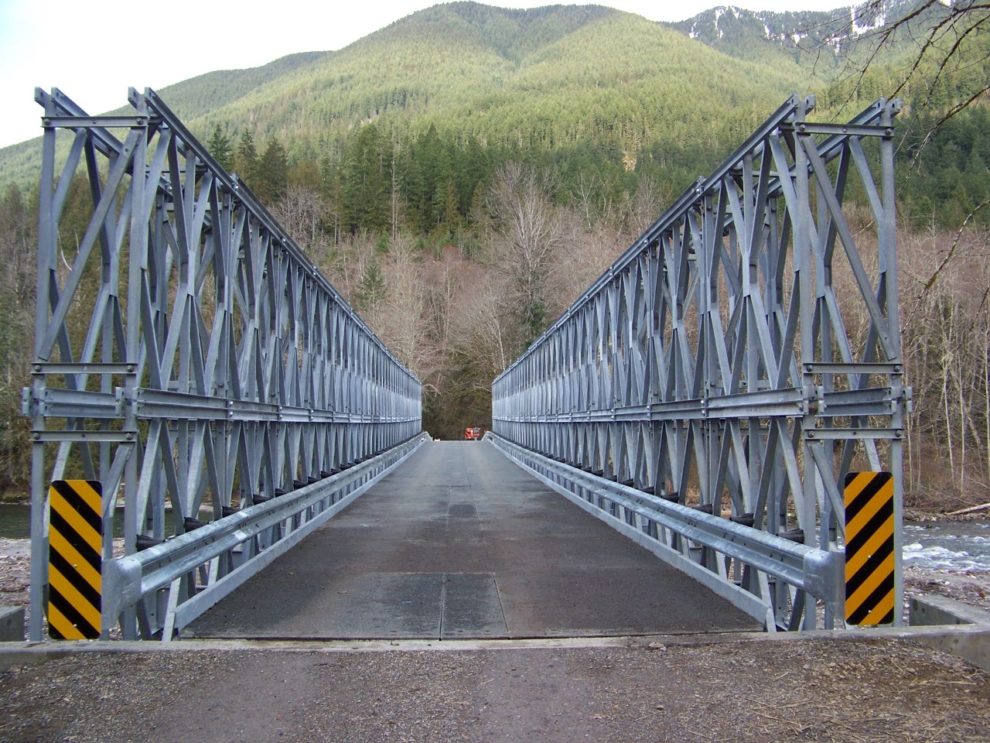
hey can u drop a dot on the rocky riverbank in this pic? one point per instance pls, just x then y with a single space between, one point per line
15 571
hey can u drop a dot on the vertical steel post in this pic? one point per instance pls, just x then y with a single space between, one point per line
39 490
889 281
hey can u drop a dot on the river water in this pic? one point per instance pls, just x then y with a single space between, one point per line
958 546
15 521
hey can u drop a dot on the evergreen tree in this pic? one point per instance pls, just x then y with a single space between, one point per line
371 290
305 168
246 159
221 147
365 182
447 205
427 173
273 173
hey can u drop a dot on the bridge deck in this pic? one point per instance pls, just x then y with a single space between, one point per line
461 543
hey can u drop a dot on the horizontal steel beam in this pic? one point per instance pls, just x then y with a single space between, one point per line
792 403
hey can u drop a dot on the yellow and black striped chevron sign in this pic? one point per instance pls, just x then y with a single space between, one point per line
75 548
869 500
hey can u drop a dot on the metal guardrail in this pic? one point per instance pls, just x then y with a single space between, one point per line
720 554
248 540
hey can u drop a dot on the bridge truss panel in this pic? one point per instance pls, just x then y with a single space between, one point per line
744 353
188 354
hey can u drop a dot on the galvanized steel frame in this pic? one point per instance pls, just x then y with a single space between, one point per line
188 354
716 365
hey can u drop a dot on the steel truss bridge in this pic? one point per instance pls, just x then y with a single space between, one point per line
189 355
710 391
705 396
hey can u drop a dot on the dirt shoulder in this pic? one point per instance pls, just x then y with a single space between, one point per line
756 690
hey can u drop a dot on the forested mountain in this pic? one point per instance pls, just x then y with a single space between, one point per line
586 89
542 82
546 79
403 163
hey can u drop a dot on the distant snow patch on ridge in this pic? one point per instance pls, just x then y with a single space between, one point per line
863 22
719 11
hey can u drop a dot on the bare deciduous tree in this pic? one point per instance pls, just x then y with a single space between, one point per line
17 290
947 352
527 240
401 316
301 213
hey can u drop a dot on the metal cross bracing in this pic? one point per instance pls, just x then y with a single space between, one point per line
734 364
191 358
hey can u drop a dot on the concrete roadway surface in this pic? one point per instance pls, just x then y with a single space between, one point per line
460 543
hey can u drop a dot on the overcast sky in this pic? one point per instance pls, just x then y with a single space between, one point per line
95 51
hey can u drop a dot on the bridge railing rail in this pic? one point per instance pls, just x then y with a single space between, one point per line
742 356
189 356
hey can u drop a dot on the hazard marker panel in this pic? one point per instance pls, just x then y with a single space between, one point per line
75 548
869 501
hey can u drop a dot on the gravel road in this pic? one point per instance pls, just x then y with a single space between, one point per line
736 689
